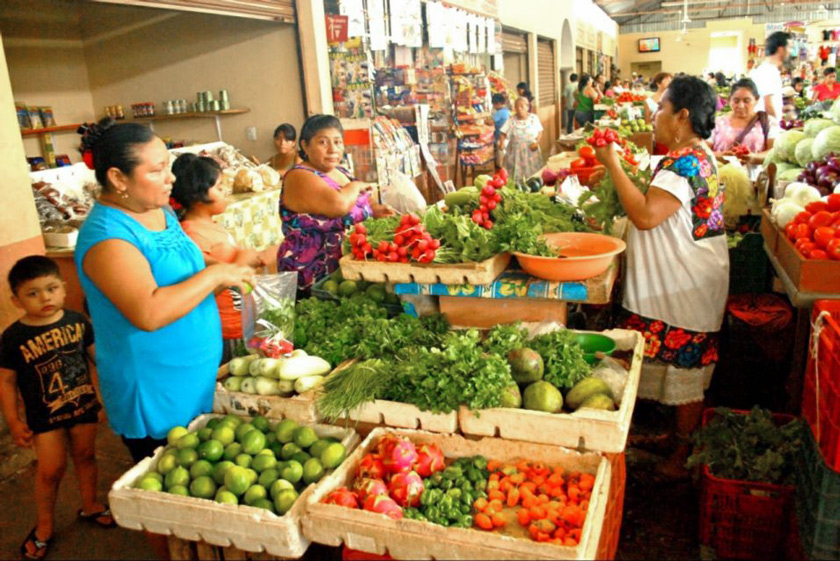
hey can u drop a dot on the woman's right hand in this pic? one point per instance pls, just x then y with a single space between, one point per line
21 434
229 275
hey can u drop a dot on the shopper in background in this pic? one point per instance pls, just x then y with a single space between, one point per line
569 102
198 197
585 102
768 77
828 88
798 85
608 89
522 133
677 273
286 156
501 114
149 291
745 126
661 82
522 90
598 84
319 201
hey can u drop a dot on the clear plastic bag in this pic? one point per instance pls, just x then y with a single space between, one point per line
268 315
403 195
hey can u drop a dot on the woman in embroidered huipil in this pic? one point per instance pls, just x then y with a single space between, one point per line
677 259
319 201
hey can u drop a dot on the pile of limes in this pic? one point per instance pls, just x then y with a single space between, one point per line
235 461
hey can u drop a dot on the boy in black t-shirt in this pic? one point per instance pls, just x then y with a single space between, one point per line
46 357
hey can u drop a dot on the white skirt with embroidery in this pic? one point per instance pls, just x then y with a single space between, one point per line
670 385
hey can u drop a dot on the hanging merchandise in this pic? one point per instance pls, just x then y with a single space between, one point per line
355 12
376 22
351 80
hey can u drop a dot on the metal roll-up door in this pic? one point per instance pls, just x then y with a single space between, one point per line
514 43
546 72
278 10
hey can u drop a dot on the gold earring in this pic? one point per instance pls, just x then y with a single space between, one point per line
124 194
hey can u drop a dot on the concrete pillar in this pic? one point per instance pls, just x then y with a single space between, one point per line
314 54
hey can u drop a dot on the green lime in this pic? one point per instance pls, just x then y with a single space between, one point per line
223 496
253 441
224 434
253 476
285 430
243 460
376 292
330 286
285 500
305 437
346 288
242 430
300 457
233 419
204 487
211 424
318 447
261 423
167 463
275 447
187 457
263 462
151 484
232 450
211 450
265 452
292 472
178 476
175 434
178 490
270 438
264 503
201 468
237 480
220 469
189 440
289 449
280 485
254 494
268 477
333 455
205 434
312 471
154 475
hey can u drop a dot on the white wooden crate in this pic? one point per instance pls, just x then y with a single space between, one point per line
589 429
404 415
412 539
300 408
484 272
189 518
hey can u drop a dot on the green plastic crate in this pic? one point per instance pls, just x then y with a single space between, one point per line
749 266
817 501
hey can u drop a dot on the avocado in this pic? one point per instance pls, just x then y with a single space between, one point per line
511 397
598 401
585 389
542 396
526 365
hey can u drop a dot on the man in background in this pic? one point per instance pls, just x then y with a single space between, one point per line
768 76
569 102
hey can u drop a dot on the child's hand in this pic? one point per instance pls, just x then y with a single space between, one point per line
21 434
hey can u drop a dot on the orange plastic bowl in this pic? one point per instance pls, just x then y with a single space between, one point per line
583 256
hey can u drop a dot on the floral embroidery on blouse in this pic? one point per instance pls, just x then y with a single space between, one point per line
696 166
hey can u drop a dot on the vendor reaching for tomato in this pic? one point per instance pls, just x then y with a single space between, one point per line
319 201
746 133
677 259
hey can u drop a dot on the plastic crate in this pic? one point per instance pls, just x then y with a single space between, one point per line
817 502
749 266
821 398
744 519
611 530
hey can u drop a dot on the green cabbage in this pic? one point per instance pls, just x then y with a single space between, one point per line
791 174
803 151
814 126
834 112
782 167
828 140
786 144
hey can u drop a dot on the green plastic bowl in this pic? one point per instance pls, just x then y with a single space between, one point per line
594 343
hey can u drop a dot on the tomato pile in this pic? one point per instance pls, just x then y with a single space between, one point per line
602 137
553 502
627 97
816 231
599 139
411 242
740 150
489 199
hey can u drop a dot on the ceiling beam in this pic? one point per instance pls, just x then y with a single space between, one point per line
695 10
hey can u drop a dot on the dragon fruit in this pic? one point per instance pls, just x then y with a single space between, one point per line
406 488
364 488
386 443
371 467
400 456
343 497
383 504
429 460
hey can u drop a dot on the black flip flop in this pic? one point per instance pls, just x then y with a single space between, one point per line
94 517
42 547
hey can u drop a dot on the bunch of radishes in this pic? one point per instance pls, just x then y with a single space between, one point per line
489 199
391 477
411 242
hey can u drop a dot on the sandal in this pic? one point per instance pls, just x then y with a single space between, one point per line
103 518
38 549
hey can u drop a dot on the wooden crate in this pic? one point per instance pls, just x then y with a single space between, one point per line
807 275
589 429
485 313
241 527
404 415
412 539
484 272
769 231
300 408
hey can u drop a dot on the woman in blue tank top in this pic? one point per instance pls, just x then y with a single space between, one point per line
149 292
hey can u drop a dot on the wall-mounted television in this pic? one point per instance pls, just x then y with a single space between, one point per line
649 45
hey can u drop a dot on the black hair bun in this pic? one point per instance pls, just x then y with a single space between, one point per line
92 133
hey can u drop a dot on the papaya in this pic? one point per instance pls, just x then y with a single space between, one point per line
584 389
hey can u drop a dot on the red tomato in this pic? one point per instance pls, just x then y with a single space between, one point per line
816 206
820 219
833 249
818 254
823 235
803 231
802 217
834 202
586 152
790 230
579 163
806 248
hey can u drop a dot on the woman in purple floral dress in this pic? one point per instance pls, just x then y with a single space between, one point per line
677 274
319 201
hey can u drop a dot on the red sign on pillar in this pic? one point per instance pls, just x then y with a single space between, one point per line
337 29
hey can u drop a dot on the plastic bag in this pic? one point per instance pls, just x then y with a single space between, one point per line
402 194
614 374
268 315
